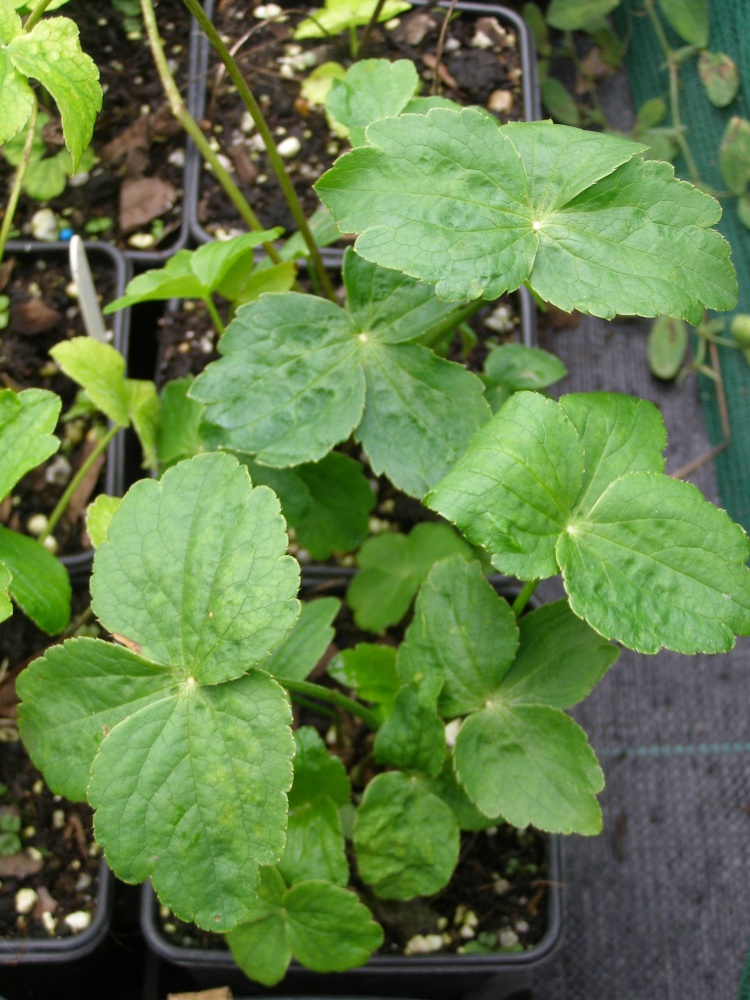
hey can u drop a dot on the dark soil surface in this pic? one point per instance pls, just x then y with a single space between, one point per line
138 180
42 313
58 859
275 67
501 877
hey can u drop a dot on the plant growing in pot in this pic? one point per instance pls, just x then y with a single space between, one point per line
180 733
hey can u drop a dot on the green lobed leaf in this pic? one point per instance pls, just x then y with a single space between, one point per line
167 575
317 85
154 787
299 374
640 238
720 77
645 559
406 838
96 685
18 97
308 640
420 414
276 278
339 499
571 213
190 772
99 514
513 489
477 243
412 737
290 385
619 434
315 846
530 764
27 422
371 89
100 370
446 786
315 843
175 279
317 773
325 927
689 18
178 434
559 661
40 585
578 15
511 367
370 670
462 634
51 53
653 564
391 569
143 410
259 945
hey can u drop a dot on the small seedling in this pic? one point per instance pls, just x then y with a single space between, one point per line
348 15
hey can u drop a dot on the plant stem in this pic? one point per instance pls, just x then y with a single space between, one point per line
371 24
310 690
36 14
353 42
518 606
214 313
433 335
277 163
440 46
75 482
183 116
674 91
15 193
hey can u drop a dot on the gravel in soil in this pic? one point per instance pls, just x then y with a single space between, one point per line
133 195
42 312
481 65
48 886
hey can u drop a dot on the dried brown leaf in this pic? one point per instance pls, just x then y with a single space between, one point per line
33 317
142 200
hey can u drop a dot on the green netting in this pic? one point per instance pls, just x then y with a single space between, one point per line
743 992
730 33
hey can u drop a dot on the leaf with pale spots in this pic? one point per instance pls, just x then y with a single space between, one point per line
183 749
577 487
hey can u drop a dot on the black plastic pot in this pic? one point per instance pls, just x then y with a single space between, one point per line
437 977
531 98
79 564
38 951
499 976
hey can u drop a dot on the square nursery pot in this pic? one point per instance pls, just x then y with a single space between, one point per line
142 158
446 976
524 94
111 272
59 871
